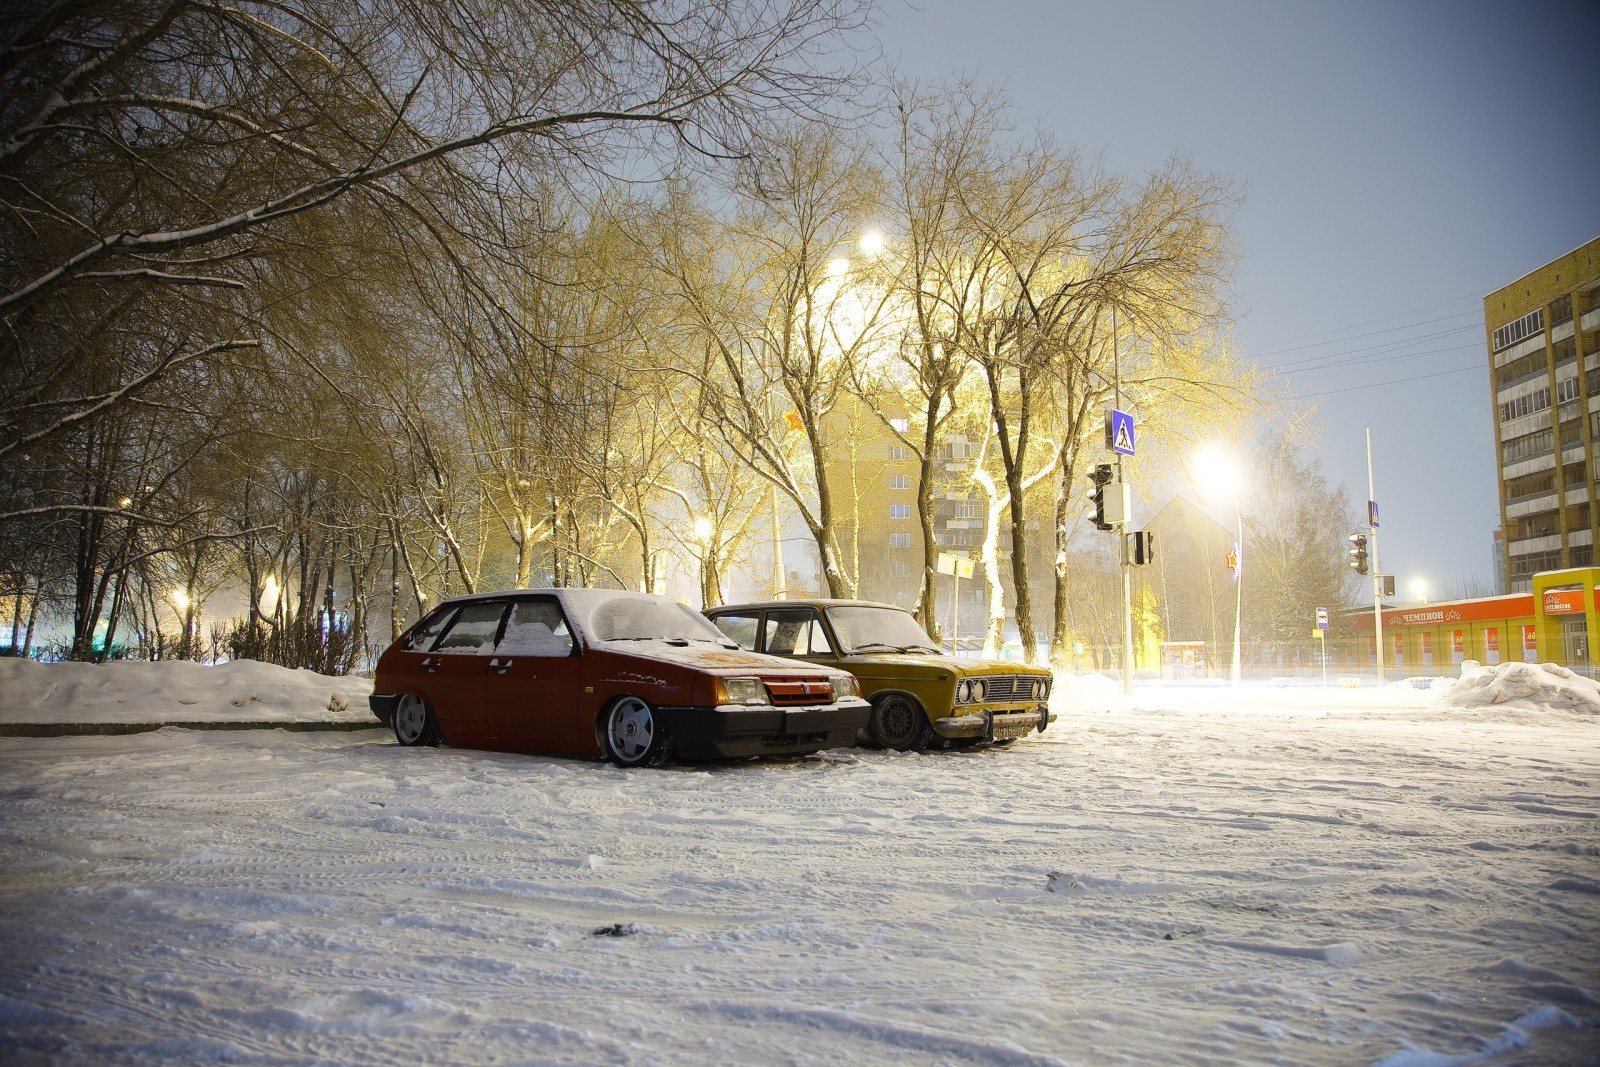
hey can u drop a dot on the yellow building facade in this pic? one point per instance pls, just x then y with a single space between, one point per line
1543 335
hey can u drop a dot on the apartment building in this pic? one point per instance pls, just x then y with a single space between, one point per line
1543 333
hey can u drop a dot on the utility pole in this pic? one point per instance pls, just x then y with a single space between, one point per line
1377 571
1122 529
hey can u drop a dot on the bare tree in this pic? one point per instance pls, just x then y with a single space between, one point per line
775 303
163 164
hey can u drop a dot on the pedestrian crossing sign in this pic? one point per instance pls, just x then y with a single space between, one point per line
1119 432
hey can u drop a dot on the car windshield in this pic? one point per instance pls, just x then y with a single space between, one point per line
647 619
874 629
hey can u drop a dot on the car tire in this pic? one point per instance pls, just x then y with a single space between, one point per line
898 722
414 723
633 735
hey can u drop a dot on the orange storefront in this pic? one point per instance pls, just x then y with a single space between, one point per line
1555 623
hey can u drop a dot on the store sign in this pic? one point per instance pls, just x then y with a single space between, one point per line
1427 648
1563 602
1530 645
1491 644
1458 645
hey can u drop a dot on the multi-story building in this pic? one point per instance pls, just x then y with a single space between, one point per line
1543 332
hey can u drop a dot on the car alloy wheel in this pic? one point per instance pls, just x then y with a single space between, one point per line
634 737
898 722
414 723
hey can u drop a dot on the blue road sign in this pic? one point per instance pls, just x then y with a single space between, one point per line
1119 432
1322 618
1372 513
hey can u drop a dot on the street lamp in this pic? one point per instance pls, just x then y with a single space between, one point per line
1220 476
1419 589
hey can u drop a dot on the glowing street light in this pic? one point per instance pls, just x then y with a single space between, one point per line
1220 477
871 243
1419 589
271 593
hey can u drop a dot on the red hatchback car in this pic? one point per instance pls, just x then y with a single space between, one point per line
602 673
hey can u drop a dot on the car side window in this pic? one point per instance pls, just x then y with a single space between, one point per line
795 632
535 628
473 631
427 631
740 629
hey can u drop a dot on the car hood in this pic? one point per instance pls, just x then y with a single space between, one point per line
885 664
712 658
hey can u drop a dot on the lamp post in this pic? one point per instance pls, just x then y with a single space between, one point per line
1221 476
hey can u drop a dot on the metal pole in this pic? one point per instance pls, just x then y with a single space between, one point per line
1122 529
1377 577
955 612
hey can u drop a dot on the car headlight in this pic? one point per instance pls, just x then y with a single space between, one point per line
963 691
845 685
977 692
743 691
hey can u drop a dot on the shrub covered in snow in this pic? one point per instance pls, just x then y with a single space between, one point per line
1532 686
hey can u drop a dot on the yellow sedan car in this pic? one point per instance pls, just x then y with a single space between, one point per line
920 697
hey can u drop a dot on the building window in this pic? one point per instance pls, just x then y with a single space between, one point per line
969 511
898 452
1532 485
1538 443
899 540
901 569
1561 309
899 481
1522 367
1512 332
901 425
899 511
1566 389
1527 404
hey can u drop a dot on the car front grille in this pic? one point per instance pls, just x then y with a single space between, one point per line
1007 687
789 693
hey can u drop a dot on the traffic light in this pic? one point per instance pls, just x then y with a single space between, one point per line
1099 476
1358 552
1144 547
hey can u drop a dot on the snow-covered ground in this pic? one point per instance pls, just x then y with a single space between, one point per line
1195 875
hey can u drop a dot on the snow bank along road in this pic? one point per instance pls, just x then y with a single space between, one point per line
1406 888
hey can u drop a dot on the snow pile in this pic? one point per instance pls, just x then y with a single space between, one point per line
176 691
1522 687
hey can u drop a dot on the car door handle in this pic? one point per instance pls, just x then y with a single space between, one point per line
430 665
498 667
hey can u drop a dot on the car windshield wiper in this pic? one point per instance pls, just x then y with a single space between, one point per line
878 645
922 648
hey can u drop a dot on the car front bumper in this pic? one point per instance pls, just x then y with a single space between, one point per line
733 730
382 705
1002 725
